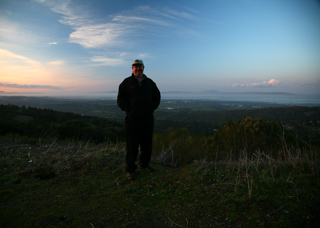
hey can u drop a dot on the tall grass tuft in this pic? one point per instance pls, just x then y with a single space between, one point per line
265 165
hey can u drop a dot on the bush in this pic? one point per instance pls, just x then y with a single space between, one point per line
249 135
178 147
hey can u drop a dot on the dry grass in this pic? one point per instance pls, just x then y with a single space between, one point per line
84 185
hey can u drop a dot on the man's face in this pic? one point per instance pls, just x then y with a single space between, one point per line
137 70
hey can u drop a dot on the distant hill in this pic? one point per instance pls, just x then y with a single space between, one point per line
33 124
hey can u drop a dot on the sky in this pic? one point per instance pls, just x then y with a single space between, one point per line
83 47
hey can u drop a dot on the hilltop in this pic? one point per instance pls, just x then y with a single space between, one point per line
259 168
84 185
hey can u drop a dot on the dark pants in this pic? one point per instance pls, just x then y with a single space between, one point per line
139 133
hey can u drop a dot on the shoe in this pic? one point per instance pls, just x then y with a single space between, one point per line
149 168
130 176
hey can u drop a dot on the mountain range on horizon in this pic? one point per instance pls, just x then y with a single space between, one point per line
219 92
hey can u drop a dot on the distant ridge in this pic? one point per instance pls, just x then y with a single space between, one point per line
175 92
282 93
212 91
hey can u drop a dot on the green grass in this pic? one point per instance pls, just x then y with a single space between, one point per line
84 185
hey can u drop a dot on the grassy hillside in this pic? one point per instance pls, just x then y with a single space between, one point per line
84 185
61 169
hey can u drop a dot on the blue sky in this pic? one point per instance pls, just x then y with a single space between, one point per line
76 46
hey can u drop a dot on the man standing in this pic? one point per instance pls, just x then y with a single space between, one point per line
138 96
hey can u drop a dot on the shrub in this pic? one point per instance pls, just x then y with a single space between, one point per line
178 147
249 135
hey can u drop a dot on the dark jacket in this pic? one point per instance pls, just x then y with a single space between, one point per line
138 100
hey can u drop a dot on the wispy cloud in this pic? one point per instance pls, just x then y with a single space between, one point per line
71 14
56 63
144 55
8 85
120 28
8 56
264 84
53 43
14 32
177 14
98 36
313 83
273 82
122 19
270 83
101 60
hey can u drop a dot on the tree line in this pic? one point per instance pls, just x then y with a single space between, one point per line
33 124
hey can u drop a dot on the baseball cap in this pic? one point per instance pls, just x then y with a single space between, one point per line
137 62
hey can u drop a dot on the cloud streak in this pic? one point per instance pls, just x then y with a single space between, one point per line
270 83
8 85
5 54
120 28
98 36
105 61
264 84
10 31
